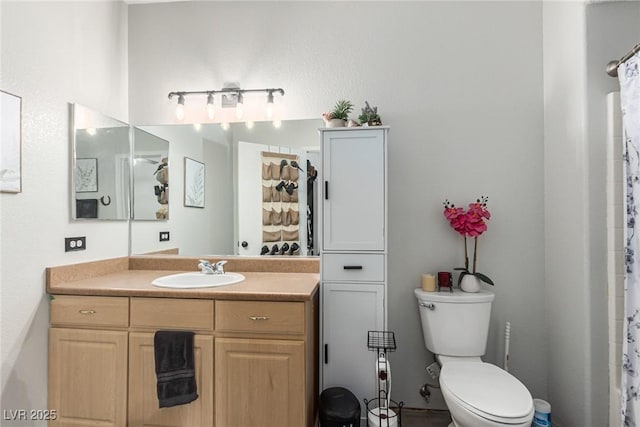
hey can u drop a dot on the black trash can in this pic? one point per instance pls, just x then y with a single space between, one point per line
339 408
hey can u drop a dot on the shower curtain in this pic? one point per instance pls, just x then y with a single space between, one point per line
630 100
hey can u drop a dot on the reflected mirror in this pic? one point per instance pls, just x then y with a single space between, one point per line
258 190
100 166
150 176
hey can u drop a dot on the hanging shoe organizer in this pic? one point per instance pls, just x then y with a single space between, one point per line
382 411
280 212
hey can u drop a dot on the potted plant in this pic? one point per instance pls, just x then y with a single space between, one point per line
469 223
339 115
369 116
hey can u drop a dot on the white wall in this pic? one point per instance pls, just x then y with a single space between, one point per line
461 85
566 246
579 39
52 54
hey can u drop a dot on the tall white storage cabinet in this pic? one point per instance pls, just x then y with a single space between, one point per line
353 254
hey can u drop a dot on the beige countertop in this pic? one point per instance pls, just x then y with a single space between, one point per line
116 278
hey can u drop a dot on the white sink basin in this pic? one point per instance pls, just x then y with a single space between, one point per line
195 279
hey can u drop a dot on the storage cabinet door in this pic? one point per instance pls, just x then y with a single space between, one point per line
260 383
353 192
88 377
349 312
143 397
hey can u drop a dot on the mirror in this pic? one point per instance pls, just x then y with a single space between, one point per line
100 165
150 176
235 215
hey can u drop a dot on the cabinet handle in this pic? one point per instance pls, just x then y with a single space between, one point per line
326 190
259 317
326 354
87 312
352 267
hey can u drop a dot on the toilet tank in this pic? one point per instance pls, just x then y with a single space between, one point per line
455 323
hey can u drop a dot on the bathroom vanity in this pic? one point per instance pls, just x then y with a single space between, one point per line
255 344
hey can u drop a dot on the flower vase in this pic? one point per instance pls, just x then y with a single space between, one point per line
470 283
336 123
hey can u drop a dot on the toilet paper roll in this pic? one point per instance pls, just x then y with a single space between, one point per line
428 282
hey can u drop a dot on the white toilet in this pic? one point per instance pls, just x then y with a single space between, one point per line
478 394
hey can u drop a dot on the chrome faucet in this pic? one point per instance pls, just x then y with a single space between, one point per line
207 268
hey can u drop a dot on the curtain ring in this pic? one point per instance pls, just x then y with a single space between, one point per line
105 203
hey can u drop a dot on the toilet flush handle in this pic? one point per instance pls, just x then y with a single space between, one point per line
430 306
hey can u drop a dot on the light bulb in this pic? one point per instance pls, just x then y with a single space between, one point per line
249 124
240 106
269 107
225 125
211 111
180 108
92 131
197 127
277 123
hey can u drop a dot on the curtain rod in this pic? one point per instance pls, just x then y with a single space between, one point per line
612 66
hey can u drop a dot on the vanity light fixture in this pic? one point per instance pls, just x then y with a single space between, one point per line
269 107
211 110
234 97
240 106
180 108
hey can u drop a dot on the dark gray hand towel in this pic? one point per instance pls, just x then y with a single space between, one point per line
175 368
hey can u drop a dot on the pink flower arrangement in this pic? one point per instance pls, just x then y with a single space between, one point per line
469 223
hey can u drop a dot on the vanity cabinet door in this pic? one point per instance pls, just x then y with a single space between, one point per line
349 312
143 397
88 377
260 383
353 190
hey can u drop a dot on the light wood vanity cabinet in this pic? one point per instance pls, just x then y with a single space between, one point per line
255 361
88 377
260 364
143 400
88 360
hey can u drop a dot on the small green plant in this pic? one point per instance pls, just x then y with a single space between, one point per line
369 115
341 110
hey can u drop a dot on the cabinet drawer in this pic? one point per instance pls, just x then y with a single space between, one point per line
70 310
260 317
353 267
172 313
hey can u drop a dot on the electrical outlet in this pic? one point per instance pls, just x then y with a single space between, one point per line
75 243
164 236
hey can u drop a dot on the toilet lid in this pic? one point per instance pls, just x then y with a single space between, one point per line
487 390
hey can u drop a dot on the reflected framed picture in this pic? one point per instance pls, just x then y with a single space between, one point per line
86 175
10 143
193 183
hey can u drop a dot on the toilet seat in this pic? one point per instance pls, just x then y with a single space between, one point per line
487 391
